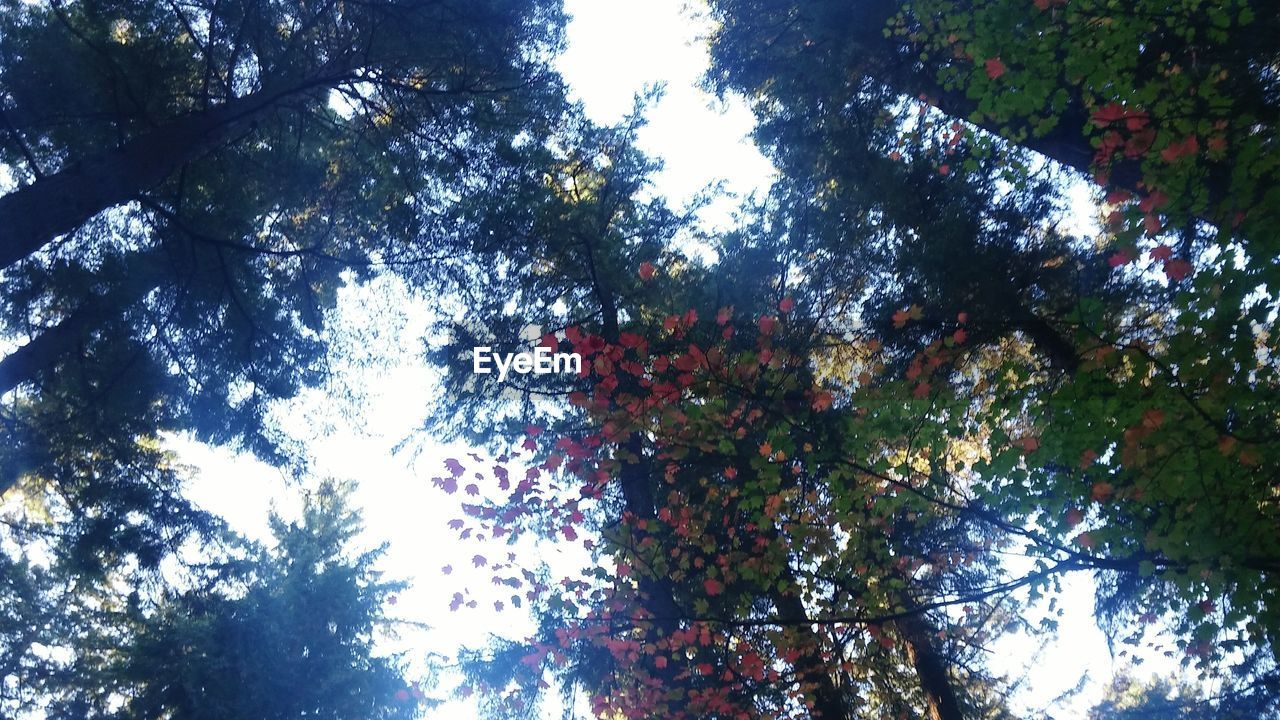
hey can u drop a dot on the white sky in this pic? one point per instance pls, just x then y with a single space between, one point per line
617 47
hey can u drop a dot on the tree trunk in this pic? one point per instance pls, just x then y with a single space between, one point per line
57 342
940 696
36 214
828 702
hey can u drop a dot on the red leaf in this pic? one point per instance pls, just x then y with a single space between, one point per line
767 323
944 169
1101 491
1108 114
1123 256
1177 269
646 270
822 400
1115 197
712 586
1074 517
786 305
1178 150
1151 223
1153 201
1161 253
995 68
1086 459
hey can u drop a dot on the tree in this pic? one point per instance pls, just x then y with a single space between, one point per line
718 558
257 156
1148 415
287 632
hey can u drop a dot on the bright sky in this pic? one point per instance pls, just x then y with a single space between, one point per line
617 48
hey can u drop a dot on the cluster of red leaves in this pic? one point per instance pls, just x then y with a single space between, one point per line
690 668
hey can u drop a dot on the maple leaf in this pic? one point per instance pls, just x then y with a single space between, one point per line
1151 223
995 68
447 570
767 323
569 533
454 467
449 485
1123 256
1086 458
944 169
786 305
646 270
822 400
456 524
1178 150
1074 517
1101 491
1161 253
766 449
712 586
473 489
959 336
479 561
1085 540
1177 269
1153 201
1115 197
723 316
921 390
1225 444
1108 114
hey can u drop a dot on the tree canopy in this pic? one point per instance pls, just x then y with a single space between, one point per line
1006 315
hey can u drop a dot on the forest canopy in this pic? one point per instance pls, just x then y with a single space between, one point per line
1005 317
